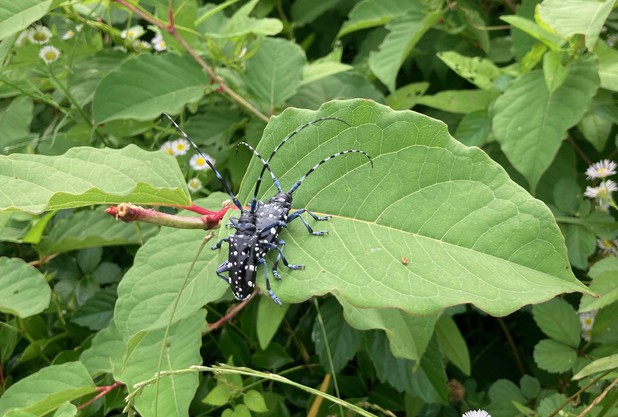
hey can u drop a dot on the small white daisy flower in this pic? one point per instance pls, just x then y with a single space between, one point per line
198 162
49 54
79 27
587 321
39 35
602 169
67 35
22 38
158 43
141 45
603 191
476 413
132 33
194 185
608 246
181 146
168 147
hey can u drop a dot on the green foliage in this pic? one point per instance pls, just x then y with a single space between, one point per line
24 291
85 176
453 223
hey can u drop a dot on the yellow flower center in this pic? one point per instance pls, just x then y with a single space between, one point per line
40 36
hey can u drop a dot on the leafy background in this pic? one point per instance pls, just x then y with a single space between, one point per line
468 266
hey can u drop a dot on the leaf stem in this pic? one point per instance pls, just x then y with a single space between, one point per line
579 392
598 399
164 344
512 345
229 315
102 391
131 213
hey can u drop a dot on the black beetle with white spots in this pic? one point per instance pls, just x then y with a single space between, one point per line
257 229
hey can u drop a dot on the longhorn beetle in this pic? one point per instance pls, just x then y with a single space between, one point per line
257 229
273 215
243 249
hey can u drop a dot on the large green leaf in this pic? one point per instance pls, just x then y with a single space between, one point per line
47 389
530 122
144 87
23 289
86 176
275 72
572 17
404 32
470 233
18 15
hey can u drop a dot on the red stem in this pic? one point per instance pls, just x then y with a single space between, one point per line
199 210
230 314
104 390
132 213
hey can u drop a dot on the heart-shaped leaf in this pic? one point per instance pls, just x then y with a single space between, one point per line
530 122
471 235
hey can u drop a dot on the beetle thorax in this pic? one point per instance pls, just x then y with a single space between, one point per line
282 199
